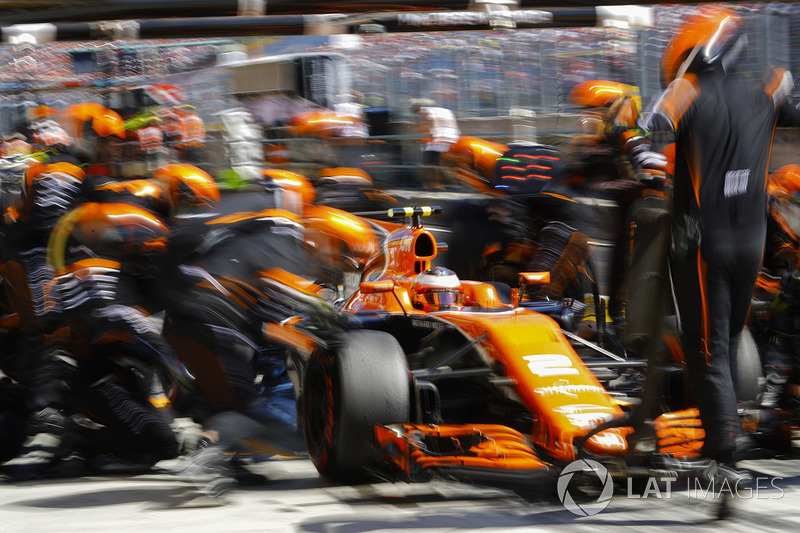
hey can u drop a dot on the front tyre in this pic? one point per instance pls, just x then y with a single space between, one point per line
346 393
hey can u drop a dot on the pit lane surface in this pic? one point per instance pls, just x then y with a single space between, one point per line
296 499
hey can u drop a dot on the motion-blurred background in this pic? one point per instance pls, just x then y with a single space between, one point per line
501 85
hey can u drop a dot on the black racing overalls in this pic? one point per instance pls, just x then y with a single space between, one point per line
723 129
103 255
51 188
214 312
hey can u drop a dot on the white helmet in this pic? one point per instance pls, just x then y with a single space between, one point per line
436 289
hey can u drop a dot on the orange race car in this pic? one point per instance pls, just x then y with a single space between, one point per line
441 376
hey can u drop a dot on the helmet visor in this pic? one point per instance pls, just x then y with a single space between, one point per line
442 298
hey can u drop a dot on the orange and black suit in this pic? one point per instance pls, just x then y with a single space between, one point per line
214 319
50 189
102 255
723 128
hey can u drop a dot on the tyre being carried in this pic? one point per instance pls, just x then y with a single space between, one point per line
346 393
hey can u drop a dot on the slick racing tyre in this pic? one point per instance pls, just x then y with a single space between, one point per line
365 382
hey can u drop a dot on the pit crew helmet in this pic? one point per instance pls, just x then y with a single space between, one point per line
712 36
190 188
118 232
90 126
49 134
784 199
437 289
785 181
14 145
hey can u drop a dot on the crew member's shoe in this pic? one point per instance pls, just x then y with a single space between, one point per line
215 473
725 481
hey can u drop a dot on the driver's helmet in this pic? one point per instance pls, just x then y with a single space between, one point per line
712 36
436 289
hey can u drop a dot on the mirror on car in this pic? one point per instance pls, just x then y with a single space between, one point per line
369 287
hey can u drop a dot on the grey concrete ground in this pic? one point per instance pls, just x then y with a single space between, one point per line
296 499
